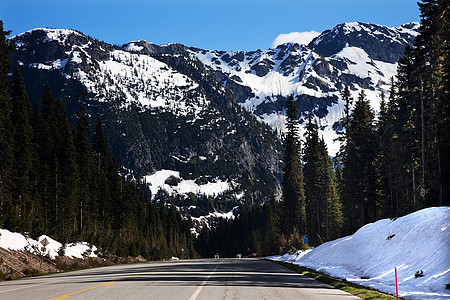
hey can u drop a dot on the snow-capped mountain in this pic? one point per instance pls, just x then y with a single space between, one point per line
203 114
360 55
161 112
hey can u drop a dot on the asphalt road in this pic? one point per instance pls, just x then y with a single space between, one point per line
207 279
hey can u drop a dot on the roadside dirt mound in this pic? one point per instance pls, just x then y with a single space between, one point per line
19 263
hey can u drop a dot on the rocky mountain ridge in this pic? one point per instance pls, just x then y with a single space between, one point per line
360 55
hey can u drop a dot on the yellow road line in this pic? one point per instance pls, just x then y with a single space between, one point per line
94 287
110 283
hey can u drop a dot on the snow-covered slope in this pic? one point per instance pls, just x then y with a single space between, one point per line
417 242
111 73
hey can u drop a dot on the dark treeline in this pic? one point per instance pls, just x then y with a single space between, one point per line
387 167
63 181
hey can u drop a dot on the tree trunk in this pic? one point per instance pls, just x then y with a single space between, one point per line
423 140
413 184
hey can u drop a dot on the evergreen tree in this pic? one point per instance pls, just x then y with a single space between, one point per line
443 98
338 173
315 173
6 136
45 129
387 151
408 127
334 219
273 226
100 144
359 190
87 203
426 73
38 175
323 203
348 101
294 214
66 176
105 176
23 152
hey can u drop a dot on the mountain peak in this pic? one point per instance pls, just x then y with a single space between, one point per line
49 34
379 42
411 28
352 26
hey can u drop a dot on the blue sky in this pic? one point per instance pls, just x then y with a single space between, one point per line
208 24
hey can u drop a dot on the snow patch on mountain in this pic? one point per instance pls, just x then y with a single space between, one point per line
411 28
160 180
55 65
208 221
275 120
363 66
416 242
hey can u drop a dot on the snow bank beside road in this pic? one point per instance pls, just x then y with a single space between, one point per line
417 242
16 241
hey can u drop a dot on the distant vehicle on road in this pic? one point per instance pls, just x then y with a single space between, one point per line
239 255
216 256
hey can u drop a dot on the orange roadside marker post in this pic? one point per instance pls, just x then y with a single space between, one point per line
396 286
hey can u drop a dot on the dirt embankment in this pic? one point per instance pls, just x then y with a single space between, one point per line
20 263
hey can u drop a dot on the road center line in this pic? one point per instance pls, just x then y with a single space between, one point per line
112 282
199 289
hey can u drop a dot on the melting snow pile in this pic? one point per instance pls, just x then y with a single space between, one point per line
416 243
16 241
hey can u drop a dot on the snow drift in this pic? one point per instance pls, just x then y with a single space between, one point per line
416 243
